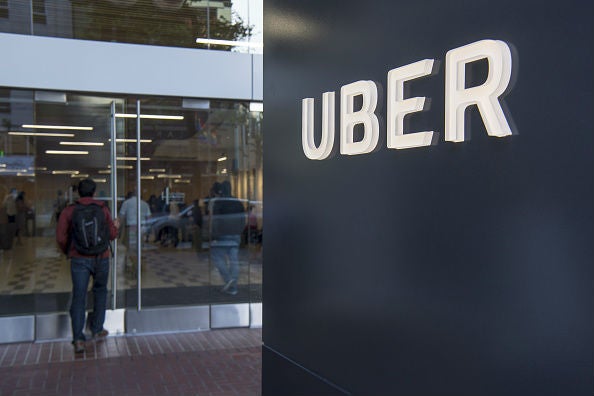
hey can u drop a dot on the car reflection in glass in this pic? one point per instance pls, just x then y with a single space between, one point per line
169 230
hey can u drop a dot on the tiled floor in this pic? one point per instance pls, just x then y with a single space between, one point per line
37 266
213 363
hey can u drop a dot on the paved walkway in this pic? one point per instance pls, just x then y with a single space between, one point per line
209 363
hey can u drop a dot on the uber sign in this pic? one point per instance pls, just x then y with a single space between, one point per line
457 99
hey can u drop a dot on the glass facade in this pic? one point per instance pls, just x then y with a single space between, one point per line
50 140
173 23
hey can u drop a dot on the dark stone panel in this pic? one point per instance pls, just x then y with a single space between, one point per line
284 377
453 269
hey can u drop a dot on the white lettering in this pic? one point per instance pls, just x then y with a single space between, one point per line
457 99
398 107
307 127
485 96
366 116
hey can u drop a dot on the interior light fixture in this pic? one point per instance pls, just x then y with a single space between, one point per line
25 174
41 134
99 180
229 43
185 181
69 127
80 175
132 158
147 177
161 117
38 168
82 143
257 106
168 176
66 152
150 116
124 167
157 170
132 140
104 172
65 172
221 159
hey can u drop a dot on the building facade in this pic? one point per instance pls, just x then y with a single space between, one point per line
432 162
163 98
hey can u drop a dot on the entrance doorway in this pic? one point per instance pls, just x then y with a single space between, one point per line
169 152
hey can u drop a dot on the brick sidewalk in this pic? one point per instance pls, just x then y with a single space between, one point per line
210 363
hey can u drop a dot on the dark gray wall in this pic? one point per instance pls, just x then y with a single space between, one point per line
456 269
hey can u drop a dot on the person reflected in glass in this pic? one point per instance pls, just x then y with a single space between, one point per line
59 205
196 215
128 217
10 207
227 222
9 203
22 215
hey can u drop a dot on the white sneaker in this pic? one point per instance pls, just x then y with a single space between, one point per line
228 285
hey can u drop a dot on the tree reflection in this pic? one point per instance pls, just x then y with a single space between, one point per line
175 23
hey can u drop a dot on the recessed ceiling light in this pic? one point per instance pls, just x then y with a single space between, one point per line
82 143
41 134
150 116
77 128
66 152
65 172
168 176
132 140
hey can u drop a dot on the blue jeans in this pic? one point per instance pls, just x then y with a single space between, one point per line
81 270
226 248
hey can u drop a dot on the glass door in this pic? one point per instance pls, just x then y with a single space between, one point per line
162 165
172 154
49 141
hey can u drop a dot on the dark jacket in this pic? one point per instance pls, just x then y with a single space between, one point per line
64 228
227 217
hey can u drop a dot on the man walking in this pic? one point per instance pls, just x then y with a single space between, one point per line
84 233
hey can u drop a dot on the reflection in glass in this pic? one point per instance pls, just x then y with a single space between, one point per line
184 158
36 275
176 23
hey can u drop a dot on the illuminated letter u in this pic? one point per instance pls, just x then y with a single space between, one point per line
324 150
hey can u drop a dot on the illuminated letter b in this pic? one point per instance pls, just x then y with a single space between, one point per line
366 116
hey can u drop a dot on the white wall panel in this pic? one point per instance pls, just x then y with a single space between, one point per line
93 66
258 77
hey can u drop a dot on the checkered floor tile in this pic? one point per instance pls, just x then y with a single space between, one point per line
37 266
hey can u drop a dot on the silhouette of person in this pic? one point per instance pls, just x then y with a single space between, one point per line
128 216
82 267
10 205
21 216
227 222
